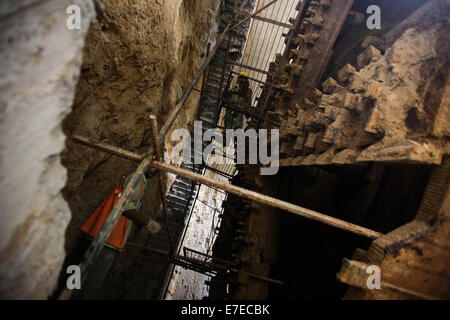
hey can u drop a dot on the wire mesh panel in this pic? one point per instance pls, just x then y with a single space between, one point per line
265 40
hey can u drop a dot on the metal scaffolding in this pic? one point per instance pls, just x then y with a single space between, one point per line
191 259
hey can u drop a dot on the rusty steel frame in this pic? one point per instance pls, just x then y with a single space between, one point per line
271 21
202 266
249 67
162 188
108 148
253 15
227 62
221 260
250 78
178 260
229 105
300 15
122 152
270 201
237 73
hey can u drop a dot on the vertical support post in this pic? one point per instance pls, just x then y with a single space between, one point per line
300 15
222 79
162 189
204 79
252 15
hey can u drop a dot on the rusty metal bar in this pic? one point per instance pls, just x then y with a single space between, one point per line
122 152
215 69
227 265
186 261
250 78
253 15
276 203
248 67
224 261
275 22
162 189
230 105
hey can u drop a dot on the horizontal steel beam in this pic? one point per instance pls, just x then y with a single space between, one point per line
229 105
109 148
275 22
273 202
286 206
253 14
248 67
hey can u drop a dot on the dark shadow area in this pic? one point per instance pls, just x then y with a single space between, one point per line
379 197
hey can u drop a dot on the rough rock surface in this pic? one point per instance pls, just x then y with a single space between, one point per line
403 109
40 63
389 110
138 59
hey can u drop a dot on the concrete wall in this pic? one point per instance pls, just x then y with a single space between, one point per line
40 60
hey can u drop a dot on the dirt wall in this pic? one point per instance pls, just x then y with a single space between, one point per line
139 58
40 61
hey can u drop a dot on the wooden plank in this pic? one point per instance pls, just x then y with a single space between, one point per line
275 22
108 148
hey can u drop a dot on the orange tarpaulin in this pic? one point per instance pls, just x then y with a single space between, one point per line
95 222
